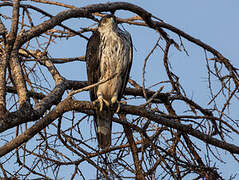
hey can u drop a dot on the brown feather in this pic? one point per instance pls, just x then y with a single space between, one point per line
109 51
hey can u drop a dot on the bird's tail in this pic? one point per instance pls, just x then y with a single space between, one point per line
103 120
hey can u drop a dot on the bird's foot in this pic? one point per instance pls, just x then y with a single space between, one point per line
118 103
114 100
102 101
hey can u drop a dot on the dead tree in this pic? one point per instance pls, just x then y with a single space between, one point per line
46 125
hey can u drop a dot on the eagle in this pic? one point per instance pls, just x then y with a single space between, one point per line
109 53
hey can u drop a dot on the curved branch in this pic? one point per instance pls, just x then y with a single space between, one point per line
83 106
184 128
16 118
146 16
79 12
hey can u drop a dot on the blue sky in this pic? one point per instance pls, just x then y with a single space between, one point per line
214 22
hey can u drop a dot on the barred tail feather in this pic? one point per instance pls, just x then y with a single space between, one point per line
103 121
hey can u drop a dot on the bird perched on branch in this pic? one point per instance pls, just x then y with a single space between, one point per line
108 57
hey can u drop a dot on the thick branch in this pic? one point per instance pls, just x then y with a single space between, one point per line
3 66
17 76
5 56
37 127
16 118
14 25
83 106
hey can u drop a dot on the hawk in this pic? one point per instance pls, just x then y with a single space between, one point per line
109 51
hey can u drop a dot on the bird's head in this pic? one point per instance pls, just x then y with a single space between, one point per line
108 21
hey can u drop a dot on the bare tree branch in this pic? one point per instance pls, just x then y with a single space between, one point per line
171 135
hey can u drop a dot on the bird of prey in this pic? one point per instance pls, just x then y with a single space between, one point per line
109 51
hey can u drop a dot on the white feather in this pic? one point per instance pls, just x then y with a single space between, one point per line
114 58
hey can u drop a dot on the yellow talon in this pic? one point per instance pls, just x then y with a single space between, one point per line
106 103
101 104
118 107
119 104
102 101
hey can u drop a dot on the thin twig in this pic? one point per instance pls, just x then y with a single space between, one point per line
90 86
